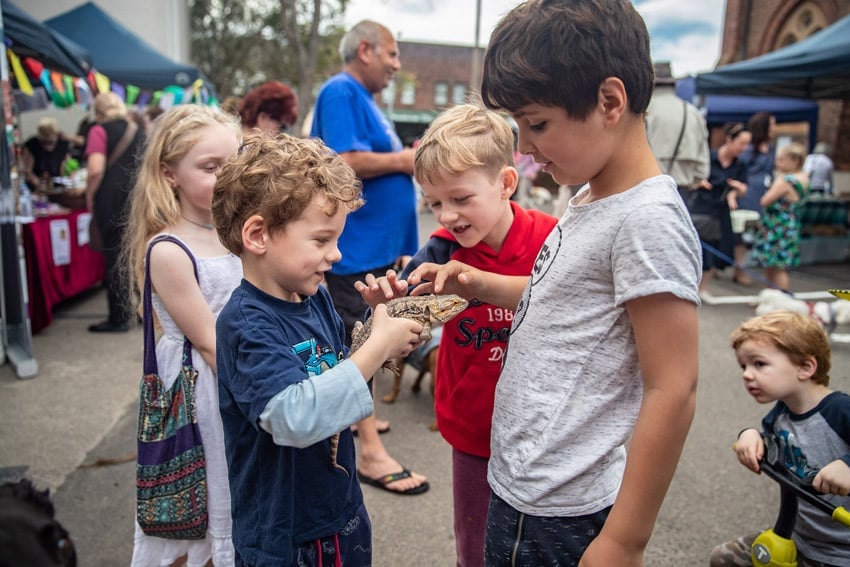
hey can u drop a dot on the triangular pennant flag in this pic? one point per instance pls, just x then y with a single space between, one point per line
196 90
144 98
132 94
175 92
84 95
69 89
166 100
102 82
20 75
34 67
92 82
58 85
44 77
118 89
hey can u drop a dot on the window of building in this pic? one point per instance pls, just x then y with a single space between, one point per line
441 94
408 93
802 22
388 94
459 93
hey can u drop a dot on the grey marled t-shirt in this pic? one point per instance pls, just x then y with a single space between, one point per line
570 388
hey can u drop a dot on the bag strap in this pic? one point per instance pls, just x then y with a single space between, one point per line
123 143
681 134
150 365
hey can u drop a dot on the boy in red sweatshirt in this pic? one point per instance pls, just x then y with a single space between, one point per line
465 165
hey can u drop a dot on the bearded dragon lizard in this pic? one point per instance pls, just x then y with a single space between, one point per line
422 309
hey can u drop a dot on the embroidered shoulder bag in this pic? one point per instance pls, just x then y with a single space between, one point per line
171 481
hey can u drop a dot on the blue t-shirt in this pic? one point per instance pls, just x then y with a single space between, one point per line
283 496
347 119
807 443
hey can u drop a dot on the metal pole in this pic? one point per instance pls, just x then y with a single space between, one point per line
475 78
16 332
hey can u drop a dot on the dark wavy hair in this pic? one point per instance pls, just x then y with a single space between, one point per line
558 52
759 126
274 98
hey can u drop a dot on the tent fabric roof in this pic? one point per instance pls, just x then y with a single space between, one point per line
31 38
817 67
118 53
720 109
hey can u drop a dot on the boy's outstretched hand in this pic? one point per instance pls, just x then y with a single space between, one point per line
834 478
750 449
452 277
376 290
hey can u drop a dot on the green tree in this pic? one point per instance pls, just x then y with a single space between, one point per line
241 43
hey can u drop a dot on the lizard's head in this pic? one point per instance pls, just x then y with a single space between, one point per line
446 307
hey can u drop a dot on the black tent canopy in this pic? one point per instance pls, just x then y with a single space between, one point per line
28 37
817 67
118 53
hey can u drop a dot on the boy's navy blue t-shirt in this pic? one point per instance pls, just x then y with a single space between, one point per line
280 496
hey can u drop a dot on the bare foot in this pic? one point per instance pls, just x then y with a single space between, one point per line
380 463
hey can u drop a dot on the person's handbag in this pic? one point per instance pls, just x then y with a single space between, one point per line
171 482
708 226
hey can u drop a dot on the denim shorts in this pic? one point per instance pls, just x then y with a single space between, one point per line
514 539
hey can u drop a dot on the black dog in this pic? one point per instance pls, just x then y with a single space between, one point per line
29 533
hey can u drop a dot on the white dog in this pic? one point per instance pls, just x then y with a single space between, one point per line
826 313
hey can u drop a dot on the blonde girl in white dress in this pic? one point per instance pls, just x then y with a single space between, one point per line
173 192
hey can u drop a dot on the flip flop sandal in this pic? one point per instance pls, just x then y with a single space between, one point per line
382 482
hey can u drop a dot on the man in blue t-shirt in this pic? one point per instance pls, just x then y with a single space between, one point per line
384 230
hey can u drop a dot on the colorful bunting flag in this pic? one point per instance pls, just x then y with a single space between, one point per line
34 67
118 89
102 82
65 90
44 77
132 94
144 98
20 75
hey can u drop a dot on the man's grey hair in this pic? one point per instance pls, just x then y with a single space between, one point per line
365 30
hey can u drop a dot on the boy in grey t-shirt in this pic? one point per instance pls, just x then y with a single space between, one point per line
604 344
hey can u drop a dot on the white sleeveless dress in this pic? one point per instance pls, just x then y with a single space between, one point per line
218 276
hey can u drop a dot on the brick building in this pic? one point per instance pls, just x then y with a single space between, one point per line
433 77
756 27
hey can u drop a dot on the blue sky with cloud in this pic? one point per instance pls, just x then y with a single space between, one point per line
686 33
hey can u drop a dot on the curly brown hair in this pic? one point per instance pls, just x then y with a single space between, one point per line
277 178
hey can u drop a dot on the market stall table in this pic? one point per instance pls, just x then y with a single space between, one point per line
59 262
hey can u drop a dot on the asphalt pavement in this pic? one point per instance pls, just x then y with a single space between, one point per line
71 429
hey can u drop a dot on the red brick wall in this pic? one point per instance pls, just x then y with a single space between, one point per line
430 63
751 28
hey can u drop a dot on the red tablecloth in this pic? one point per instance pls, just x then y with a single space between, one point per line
49 284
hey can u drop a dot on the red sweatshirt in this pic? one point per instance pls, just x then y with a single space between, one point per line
474 342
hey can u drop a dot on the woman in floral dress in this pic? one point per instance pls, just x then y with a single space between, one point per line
777 245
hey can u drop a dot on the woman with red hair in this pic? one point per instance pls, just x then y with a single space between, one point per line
272 107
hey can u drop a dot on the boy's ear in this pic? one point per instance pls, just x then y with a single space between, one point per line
510 178
254 235
807 369
613 99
